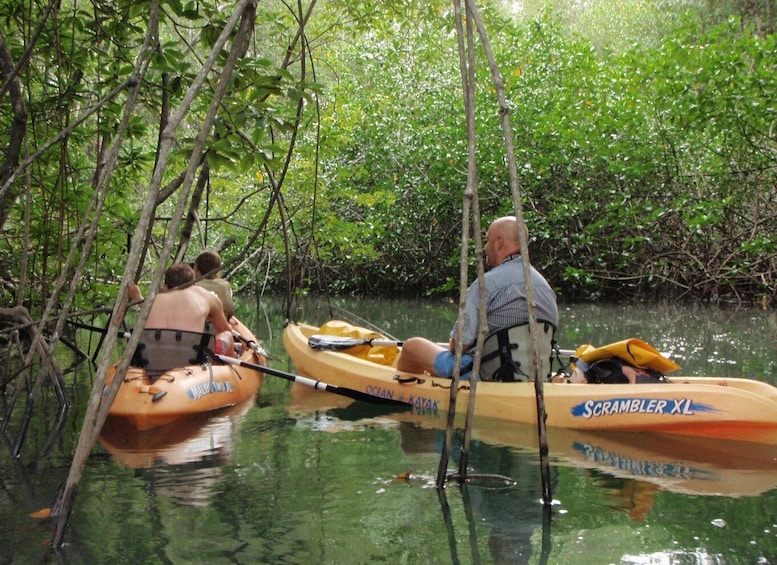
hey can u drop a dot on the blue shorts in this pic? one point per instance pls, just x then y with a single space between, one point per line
443 365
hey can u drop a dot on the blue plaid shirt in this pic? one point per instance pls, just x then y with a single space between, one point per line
506 304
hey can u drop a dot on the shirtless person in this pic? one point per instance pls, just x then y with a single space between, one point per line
186 308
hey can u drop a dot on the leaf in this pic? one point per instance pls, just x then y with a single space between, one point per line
42 513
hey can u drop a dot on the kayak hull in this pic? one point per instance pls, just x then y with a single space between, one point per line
740 409
185 391
206 439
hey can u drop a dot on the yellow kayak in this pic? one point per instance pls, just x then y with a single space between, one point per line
730 408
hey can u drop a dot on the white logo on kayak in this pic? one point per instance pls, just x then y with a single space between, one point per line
198 391
616 406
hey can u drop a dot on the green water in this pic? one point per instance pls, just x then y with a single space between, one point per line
298 476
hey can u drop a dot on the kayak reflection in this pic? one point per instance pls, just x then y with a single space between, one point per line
185 459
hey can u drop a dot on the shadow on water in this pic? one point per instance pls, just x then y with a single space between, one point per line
363 410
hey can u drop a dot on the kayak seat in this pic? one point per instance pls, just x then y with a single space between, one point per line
507 353
160 350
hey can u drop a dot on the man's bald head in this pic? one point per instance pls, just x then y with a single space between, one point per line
502 239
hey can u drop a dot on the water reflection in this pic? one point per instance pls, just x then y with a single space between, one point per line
680 464
183 460
514 512
628 472
503 494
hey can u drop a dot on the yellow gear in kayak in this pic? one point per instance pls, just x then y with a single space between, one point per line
634 351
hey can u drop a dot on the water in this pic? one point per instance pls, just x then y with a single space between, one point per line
299 476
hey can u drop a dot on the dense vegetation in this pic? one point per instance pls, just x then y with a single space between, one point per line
336 160
646 170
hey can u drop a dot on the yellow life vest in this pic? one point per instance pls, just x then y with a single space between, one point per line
634 351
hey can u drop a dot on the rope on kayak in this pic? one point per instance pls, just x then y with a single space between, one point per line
409 379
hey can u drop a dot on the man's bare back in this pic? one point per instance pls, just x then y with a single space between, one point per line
187 310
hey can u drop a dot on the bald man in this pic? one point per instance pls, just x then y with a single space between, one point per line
505 304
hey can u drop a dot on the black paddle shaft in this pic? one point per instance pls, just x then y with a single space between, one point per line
313 383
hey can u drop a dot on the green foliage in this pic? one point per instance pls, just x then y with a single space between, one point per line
643 136
637 162
63 81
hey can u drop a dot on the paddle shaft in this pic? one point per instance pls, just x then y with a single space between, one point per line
313 383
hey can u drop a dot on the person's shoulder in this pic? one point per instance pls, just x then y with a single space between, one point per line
212 284
515 265
503 269
200 291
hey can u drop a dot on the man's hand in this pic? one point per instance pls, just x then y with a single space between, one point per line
133 292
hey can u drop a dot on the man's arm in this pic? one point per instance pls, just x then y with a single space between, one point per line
216 312
224 341
218 319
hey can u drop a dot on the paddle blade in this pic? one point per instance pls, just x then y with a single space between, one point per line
334 342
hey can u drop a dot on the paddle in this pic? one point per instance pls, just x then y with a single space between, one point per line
341 343
255 347
318 385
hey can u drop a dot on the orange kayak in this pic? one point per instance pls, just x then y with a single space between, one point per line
187 391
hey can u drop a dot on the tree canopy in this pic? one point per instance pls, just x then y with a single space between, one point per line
335 157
